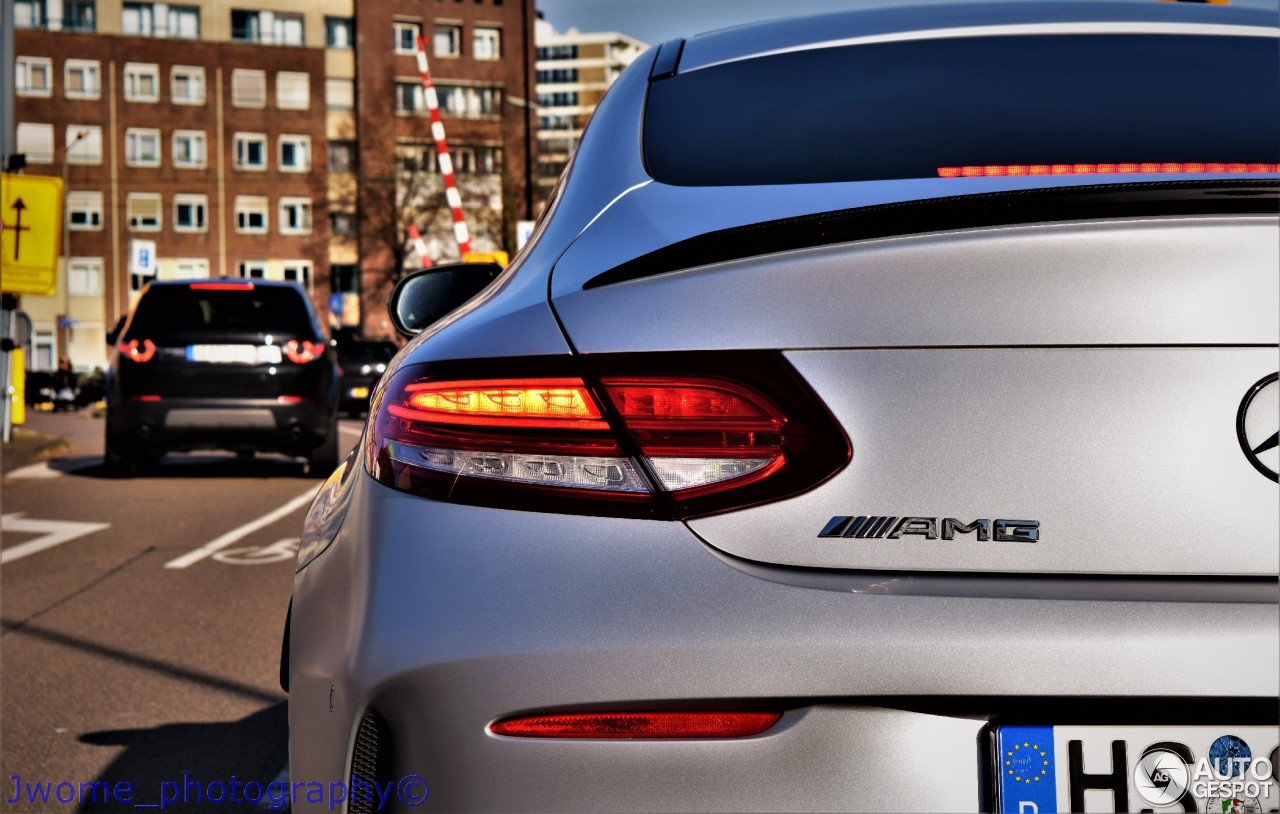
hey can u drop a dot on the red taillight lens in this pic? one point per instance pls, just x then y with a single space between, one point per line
303 352
638 725
635 443
222 286
1145 168
137 350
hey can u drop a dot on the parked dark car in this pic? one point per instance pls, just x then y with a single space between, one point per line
361 364
221 364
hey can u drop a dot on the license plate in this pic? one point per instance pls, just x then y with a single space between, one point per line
1217 769
234 354
359 392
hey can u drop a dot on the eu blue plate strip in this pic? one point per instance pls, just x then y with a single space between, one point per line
1026 764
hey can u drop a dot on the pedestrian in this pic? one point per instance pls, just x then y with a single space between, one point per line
65 385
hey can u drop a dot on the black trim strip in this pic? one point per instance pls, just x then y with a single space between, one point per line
1246 196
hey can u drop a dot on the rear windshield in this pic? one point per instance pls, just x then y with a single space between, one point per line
905 109
167 311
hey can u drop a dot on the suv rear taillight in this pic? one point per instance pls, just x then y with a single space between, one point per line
665 436
301 352
137 350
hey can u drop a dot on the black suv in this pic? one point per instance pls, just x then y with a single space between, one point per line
362 364
221 364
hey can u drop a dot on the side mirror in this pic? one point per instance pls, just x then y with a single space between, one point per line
426 296
114 333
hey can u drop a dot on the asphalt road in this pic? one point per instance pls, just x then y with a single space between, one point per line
141 618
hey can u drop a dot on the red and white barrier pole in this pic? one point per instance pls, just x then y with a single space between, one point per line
419 246
442 152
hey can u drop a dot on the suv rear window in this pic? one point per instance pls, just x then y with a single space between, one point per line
166 311
904 109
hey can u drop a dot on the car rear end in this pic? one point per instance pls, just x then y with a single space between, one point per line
930 466
221 365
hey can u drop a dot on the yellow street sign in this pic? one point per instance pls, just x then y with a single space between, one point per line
30 233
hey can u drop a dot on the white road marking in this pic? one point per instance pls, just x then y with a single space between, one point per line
56 532
237 534
279 551
40 470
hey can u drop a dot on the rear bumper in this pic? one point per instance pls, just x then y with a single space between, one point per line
443 618
185 424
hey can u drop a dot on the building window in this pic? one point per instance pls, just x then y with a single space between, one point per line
340 94
406 36
33 76
187 85
84 276
557 52
245 26
298 271
286 29
469 101
295 216
557 75
251 215
414 158
143 212
295 153
486 43
84 211
488 160
447 41
408 97
293 90
342 156
464 160
266 27
190 213
184 22
342 224
86 150
189 149
248 88
142 147
141 82
339 32
78 15
138 19
251 151
28 14
557 99
192 268
252 269
81 79
36 142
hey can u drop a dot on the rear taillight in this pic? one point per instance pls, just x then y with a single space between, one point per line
627 725
619 436
304 351
137 350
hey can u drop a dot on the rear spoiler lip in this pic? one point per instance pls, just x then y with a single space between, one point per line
1016 207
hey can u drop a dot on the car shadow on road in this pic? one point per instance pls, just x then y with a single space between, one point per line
172 760
190 466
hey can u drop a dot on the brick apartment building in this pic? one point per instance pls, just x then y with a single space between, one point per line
280 142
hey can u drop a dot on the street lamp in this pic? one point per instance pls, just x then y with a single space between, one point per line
81 135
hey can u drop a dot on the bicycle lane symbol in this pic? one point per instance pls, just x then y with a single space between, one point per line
279 551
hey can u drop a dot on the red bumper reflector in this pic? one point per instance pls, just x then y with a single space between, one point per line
638 725
289 399
144 398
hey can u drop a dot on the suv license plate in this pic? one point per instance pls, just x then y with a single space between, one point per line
234 354
1217 769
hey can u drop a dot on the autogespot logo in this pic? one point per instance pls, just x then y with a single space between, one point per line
1258 427
1161 777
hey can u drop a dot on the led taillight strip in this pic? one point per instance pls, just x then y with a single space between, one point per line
511 403
993 170
627 725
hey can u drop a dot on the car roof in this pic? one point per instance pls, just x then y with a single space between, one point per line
256 283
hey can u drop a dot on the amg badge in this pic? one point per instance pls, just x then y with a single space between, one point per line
893 528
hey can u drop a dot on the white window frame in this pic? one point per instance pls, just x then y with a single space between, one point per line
189 72
281 25
89 152
306 268
172 17
415 95
245 139
133 140
435 42
134 72
240 77
196 136
400 27
92 78
480 33
246 268
35 140
304 215
184 199
345 24
139 197
301 145
246 205
23 68
89 269
89 203
293 90
146 19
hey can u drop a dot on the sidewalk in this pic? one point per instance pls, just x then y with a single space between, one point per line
47 435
